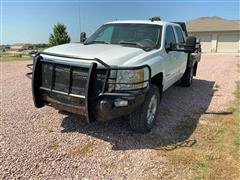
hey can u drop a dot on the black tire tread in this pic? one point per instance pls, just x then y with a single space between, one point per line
185 79
138 118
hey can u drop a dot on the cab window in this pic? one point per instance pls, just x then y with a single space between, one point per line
179 35
169 37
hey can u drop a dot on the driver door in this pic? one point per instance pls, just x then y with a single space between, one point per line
170 63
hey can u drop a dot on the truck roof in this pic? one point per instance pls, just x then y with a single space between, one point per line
140 22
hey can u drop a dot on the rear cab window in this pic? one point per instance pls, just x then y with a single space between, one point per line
180 36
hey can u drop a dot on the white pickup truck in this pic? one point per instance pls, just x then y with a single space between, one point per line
120 70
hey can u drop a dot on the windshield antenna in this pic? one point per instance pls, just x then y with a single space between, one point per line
79 18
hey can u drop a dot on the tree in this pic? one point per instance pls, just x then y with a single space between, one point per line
59 35
155 18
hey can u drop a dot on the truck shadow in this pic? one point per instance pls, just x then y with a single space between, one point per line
179 115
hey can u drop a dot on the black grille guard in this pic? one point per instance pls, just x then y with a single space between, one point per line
36 86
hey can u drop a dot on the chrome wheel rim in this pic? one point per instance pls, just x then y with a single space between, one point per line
152 109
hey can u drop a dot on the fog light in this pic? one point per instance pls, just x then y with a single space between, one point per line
120 103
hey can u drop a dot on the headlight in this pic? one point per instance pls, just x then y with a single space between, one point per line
132 76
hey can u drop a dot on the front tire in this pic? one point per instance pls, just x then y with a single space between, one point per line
187 78
144 118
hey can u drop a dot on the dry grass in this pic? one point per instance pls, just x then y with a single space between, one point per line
13 56
50 130
110 165
83 150
217 86
238 66
215 155
53 146
8 58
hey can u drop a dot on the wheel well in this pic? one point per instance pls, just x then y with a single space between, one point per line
157 80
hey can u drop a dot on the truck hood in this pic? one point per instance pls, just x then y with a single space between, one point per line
108 53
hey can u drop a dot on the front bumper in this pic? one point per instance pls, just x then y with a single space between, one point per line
104 107
83 89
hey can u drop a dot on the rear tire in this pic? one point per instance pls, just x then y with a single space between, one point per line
187 78
143 119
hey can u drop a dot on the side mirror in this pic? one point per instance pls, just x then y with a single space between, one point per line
82 37
190 46
168 47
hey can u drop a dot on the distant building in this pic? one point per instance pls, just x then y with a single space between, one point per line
216 34
21 47
4 47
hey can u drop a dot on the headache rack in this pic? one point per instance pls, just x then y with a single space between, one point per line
71 86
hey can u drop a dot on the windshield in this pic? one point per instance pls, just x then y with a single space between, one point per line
145 36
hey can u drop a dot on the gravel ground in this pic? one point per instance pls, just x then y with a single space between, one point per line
41 143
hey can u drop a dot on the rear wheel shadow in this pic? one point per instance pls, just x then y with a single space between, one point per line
179 115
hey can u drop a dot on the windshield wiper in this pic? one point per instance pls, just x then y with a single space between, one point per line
136 44
96 42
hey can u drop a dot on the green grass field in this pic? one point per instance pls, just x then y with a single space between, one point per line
13 56
23 58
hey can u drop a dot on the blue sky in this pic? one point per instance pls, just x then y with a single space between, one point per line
32 21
